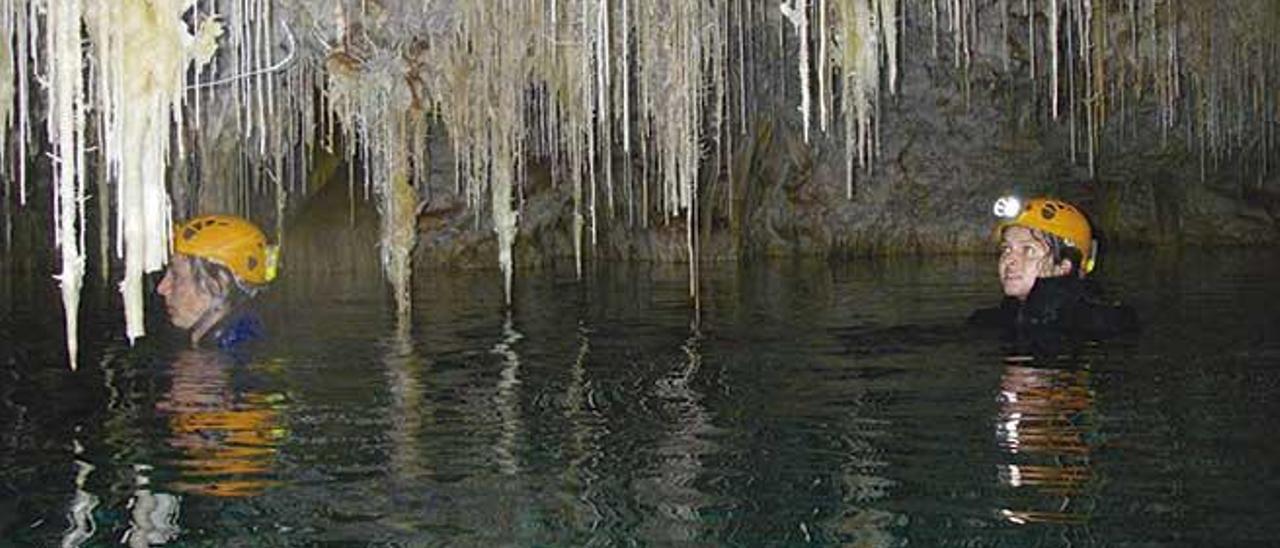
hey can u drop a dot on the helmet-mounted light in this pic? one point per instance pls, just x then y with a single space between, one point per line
1007 207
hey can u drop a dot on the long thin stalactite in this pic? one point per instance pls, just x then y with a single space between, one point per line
569 81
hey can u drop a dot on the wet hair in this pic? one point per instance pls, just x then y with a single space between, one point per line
218 281
1060 250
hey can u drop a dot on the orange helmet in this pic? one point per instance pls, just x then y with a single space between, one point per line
231 242
1053 216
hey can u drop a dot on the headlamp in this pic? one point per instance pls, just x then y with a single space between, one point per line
1007 207
273 262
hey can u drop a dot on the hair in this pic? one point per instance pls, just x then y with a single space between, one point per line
1060 250
219 281
226 290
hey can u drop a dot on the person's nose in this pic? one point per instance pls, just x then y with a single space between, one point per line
1007 259
165 285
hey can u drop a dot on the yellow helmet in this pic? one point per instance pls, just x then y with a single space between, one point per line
1053 216
231 242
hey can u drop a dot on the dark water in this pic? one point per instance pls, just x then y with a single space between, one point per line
806 403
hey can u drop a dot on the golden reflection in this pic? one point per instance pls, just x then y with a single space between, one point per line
1043 427
228 437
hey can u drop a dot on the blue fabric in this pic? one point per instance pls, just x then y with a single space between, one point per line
244 328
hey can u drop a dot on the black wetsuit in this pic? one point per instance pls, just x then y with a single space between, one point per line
1057 310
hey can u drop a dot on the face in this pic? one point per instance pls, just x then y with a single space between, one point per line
185 300
1023 259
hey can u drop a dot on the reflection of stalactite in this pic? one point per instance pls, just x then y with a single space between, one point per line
508 399
863 484
1043 425
404 368
153 516
578 407
682 450
80 514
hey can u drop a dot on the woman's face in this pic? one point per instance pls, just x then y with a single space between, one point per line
185 300
1024 257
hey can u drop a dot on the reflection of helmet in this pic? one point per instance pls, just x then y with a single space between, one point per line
227 451
231 242
1055 217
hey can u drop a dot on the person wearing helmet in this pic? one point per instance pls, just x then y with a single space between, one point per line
1047 249
220 263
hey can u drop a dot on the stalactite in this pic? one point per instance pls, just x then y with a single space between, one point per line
605 110
958 33
798 14
398 205
1071 80
572 71
1004 34
859 60
889 35
626 71
1053 66
66 126
742 67
1031 35
7 91
821 8
933 13
24 51
145 51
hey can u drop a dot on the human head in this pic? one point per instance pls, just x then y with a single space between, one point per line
1046 237
218 260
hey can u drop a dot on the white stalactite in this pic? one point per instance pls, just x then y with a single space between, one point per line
569 77
822 64
145 52
798 14
66 123
889 35
1053 66
7 90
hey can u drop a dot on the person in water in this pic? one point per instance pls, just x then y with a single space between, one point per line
220 263
1047 250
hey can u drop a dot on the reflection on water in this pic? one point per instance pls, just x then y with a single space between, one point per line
227 435
507 399
1044 427
670 486
404 371
153 517
80 515
805 404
